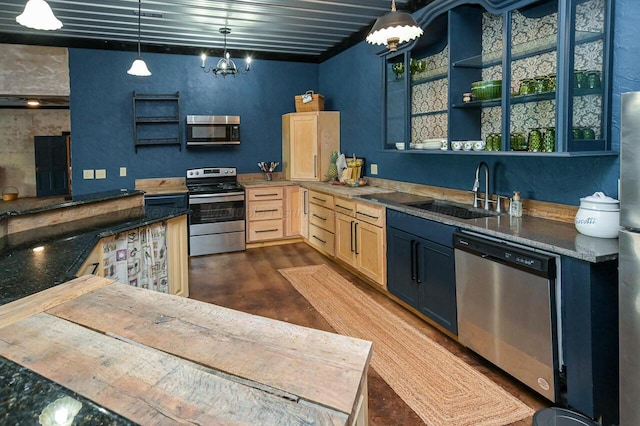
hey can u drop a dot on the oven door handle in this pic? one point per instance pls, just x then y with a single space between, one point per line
215 198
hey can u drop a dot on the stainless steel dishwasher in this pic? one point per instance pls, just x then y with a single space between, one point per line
507 298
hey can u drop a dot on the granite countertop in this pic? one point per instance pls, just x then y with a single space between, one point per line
26 272
23 206
544 234
26 394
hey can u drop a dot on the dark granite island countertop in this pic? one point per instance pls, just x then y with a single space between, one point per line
25 206
64 249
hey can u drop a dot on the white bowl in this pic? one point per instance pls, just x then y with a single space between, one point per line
400 145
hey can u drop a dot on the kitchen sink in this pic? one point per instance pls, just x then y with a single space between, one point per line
453 210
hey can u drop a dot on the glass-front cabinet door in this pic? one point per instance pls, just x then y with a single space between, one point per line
396 95
589 80
533 83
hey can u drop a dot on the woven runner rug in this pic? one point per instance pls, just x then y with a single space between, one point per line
441 388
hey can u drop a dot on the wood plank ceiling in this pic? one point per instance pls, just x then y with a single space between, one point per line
297 30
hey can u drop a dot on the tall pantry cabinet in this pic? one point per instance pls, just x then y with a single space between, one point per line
307 141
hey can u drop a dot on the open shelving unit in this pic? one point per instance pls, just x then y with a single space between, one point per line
156 120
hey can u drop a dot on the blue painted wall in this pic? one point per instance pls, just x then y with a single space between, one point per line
102 124
351 83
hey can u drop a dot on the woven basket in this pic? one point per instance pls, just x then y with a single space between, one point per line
309 102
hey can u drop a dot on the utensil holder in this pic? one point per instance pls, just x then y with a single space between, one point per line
268 176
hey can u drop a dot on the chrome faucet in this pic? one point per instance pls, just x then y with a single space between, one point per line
476 185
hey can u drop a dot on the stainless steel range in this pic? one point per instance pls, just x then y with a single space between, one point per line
216 221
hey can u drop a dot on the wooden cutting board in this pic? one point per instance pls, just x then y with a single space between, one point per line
156 358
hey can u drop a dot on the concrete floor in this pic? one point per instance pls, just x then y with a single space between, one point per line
249 281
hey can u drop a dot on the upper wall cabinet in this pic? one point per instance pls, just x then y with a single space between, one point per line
539 75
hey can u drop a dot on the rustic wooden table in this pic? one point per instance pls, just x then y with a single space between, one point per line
160 359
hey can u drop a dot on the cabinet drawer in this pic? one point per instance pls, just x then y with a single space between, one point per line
346 207
321 238
266 230
370 213
265 193
321 199
262 210
322 217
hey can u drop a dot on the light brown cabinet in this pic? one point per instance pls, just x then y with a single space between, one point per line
307 141
321 222
296 212
265 218
178 255
360 238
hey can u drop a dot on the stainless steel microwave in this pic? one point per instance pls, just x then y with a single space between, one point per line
203 130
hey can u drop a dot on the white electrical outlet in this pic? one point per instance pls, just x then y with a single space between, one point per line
87 174
374 169
123 171
101 174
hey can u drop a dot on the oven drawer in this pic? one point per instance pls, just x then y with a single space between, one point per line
321 199
265 230
265 193
322 217
261 210
322 239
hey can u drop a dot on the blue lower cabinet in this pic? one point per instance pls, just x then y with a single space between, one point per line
421 271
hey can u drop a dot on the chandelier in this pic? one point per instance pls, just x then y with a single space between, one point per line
225 65
394 28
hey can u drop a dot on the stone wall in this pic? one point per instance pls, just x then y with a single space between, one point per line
17 155
34 70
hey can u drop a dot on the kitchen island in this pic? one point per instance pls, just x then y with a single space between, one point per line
154 358
64 244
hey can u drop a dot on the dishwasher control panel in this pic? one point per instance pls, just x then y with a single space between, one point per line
501 251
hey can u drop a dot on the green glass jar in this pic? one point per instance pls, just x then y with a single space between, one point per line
541 84
579 79
593 79
527 87
552 82
535 140
518 142
576 133
497 142
588 133
489 142
549 140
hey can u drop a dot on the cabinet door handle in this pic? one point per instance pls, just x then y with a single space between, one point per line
266 230
368 215
319 239
305 194
319 217
353 248
315 166
322 200
416 248
413 260
265 195
355 228
344 208
266 211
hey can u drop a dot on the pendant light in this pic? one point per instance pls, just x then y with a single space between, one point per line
139 68
38 15
394 28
